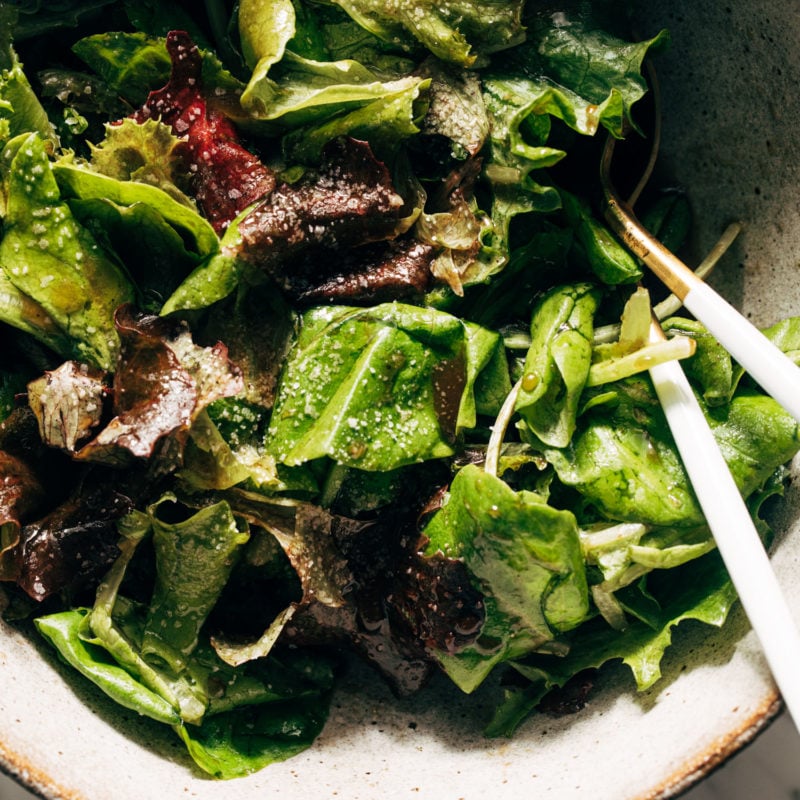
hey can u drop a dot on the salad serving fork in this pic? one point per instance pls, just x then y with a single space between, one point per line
728 518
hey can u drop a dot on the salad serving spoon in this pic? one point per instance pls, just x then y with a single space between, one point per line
728 518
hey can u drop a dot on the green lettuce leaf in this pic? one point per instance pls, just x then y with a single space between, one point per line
194 559
20 109
238 743
68 633
304 91
377 388
711 367
84 183
603 252
567 69
623 459
524 556
134 64
557 363
57 263
702 592
384 123
453 30
577 72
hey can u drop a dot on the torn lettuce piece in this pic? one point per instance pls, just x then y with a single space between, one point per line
577 72
153 230
194 559
215 277
57 263
378 388
524 556
566 69
384 123
218 458
623 460
20 109
711 368
264 30
557 363
786 336
162 382
458 31
115 625
304 91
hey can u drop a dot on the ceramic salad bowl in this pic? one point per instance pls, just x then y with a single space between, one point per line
729 136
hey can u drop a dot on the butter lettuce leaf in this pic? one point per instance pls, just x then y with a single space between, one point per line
455 30
56 262
623 459
557 362
523 555
378 388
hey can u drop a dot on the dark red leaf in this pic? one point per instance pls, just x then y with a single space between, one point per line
348 202
163 381
73 545
226 176
21 495
378 273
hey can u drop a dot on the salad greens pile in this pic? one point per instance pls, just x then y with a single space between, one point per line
305 310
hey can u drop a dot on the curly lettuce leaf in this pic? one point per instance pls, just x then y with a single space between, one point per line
523 555
233 721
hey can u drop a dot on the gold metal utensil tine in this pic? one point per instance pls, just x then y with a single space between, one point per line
777 374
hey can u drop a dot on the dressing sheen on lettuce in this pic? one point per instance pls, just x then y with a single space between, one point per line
300 309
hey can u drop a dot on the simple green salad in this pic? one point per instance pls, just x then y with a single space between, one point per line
315 343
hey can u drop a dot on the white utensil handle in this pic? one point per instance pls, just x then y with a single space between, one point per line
734 532
777 374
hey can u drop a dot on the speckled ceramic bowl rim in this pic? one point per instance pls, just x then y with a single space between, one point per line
748 184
